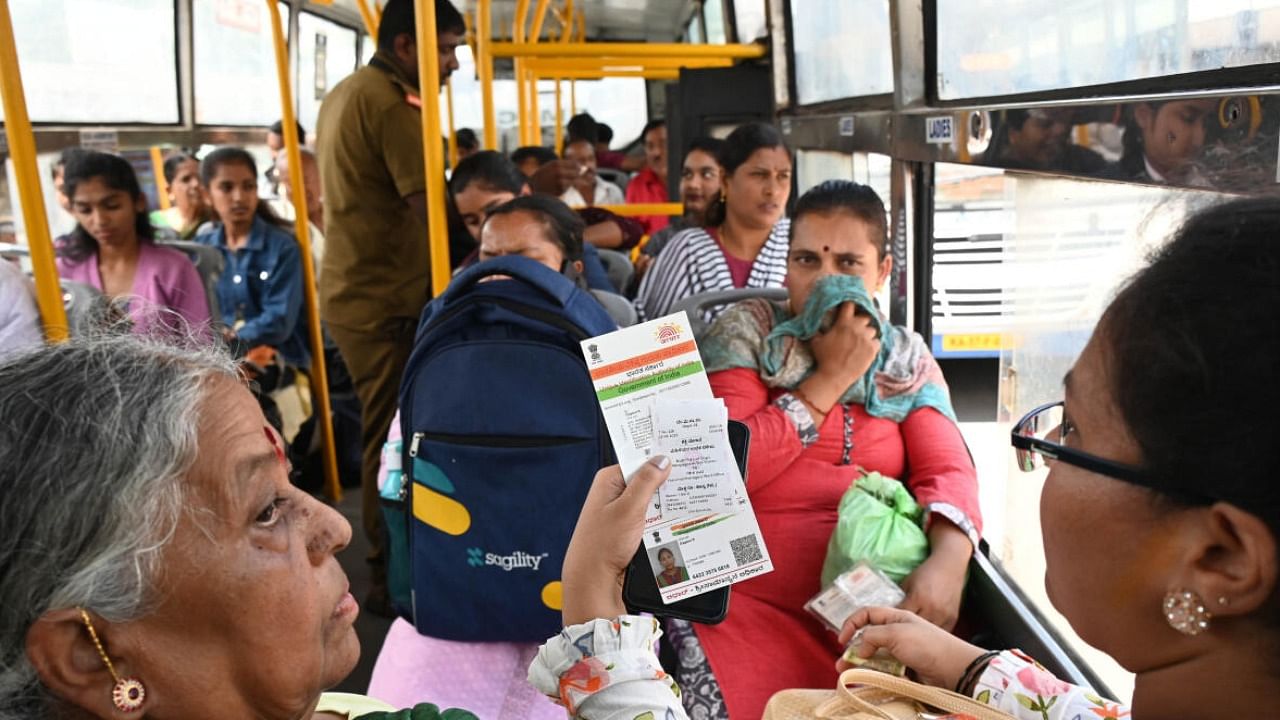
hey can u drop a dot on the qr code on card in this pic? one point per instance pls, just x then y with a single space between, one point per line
746 550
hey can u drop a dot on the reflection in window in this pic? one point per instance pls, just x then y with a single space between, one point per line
749 19
327 52
94 62
842 49
713 11
235 62
992 47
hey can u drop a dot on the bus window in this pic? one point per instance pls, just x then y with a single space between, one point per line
694 31
713 11
992 47
327 52
1065 246
749 20
233 56
841 49
368 46
95 63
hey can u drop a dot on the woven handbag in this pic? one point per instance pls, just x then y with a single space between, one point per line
871 695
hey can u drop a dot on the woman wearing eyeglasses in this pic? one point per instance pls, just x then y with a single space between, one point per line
1161 508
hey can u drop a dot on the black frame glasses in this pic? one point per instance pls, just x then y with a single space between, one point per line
1027 443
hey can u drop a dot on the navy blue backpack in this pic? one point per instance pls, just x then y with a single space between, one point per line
502 435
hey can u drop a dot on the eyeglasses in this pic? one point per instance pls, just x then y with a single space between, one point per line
1039 436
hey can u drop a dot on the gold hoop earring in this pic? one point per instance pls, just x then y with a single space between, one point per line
1185 612
128 694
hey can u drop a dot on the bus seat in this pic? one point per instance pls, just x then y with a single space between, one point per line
618 267
696 306
209 263
618 307
617 177
86 307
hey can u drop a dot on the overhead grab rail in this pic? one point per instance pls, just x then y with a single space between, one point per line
22 149
319 375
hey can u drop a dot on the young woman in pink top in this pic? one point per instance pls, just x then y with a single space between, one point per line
112 249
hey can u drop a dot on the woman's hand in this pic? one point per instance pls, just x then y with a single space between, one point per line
935 588
937 657
608 533
843 354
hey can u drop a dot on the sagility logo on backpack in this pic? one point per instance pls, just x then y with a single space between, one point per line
518 560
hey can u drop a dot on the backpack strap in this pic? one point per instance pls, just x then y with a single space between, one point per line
531 272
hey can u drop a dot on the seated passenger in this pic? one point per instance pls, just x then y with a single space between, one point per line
313 193
588 189
188 207
20 326
824 408
605 157
700 180
112 249
486 180
650 185
745 241
468 143
1159 511
275 146
532 157
57 172
171 569
260 291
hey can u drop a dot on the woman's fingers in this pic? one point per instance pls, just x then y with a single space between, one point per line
644 483
875 616
606 488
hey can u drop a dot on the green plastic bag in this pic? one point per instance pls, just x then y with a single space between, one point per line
879 522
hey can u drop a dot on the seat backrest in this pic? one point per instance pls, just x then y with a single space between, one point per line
617 177
618 267
87 308
619 308
702 307
210 264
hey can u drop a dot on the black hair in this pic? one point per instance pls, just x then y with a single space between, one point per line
466 139
561 225
490 169
174 161
575 141
604 133
847 196
651 126
64 158
709 145
667 551
277 128
398 19
1191 348
543 154
237 156
116 173
582 127
1133 152
741 144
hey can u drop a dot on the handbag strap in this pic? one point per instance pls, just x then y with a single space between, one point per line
879 682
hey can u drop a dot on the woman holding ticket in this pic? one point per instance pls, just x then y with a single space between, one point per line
828 388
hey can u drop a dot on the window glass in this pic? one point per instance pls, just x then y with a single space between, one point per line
85 61
749 19
235 62
368 48
327 52
842 49
695 30
992 47
1047 256
713 10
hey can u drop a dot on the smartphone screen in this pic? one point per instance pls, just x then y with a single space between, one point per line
640 588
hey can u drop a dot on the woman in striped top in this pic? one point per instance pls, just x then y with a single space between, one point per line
745 241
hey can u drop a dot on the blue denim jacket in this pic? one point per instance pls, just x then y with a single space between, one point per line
262 286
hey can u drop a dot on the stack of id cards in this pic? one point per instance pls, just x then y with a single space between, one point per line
700 531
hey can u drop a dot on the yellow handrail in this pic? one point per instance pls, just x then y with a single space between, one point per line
429 85
627 63
484 37
162 183
604 49
559 131
453 134
634 209
539 17
319 375
600 74
370 20
519 21
22 148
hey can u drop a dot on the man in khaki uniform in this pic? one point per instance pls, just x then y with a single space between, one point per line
376 266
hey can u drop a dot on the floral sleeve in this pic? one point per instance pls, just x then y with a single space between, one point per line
607 670
1017 685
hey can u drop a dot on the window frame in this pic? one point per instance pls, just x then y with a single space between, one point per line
852 103
292 47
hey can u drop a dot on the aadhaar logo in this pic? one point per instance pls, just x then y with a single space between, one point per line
477 558
668 333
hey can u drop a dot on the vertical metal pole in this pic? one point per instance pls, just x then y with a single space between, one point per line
573 97
559 131
453 134
433 153
22 148
522 91
370 20
302 229
535 115
162 185
484 35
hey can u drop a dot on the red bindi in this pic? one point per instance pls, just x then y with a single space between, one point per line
826 248
275 444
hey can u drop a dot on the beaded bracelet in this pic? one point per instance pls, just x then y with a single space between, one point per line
971 674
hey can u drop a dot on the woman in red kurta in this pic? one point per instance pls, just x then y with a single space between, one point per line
821 405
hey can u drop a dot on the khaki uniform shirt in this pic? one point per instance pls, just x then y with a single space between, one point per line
377 262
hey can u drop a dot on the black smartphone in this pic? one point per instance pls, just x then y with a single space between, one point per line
640 588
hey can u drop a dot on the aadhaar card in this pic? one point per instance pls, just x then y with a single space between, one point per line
693 555
704 478
632 368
